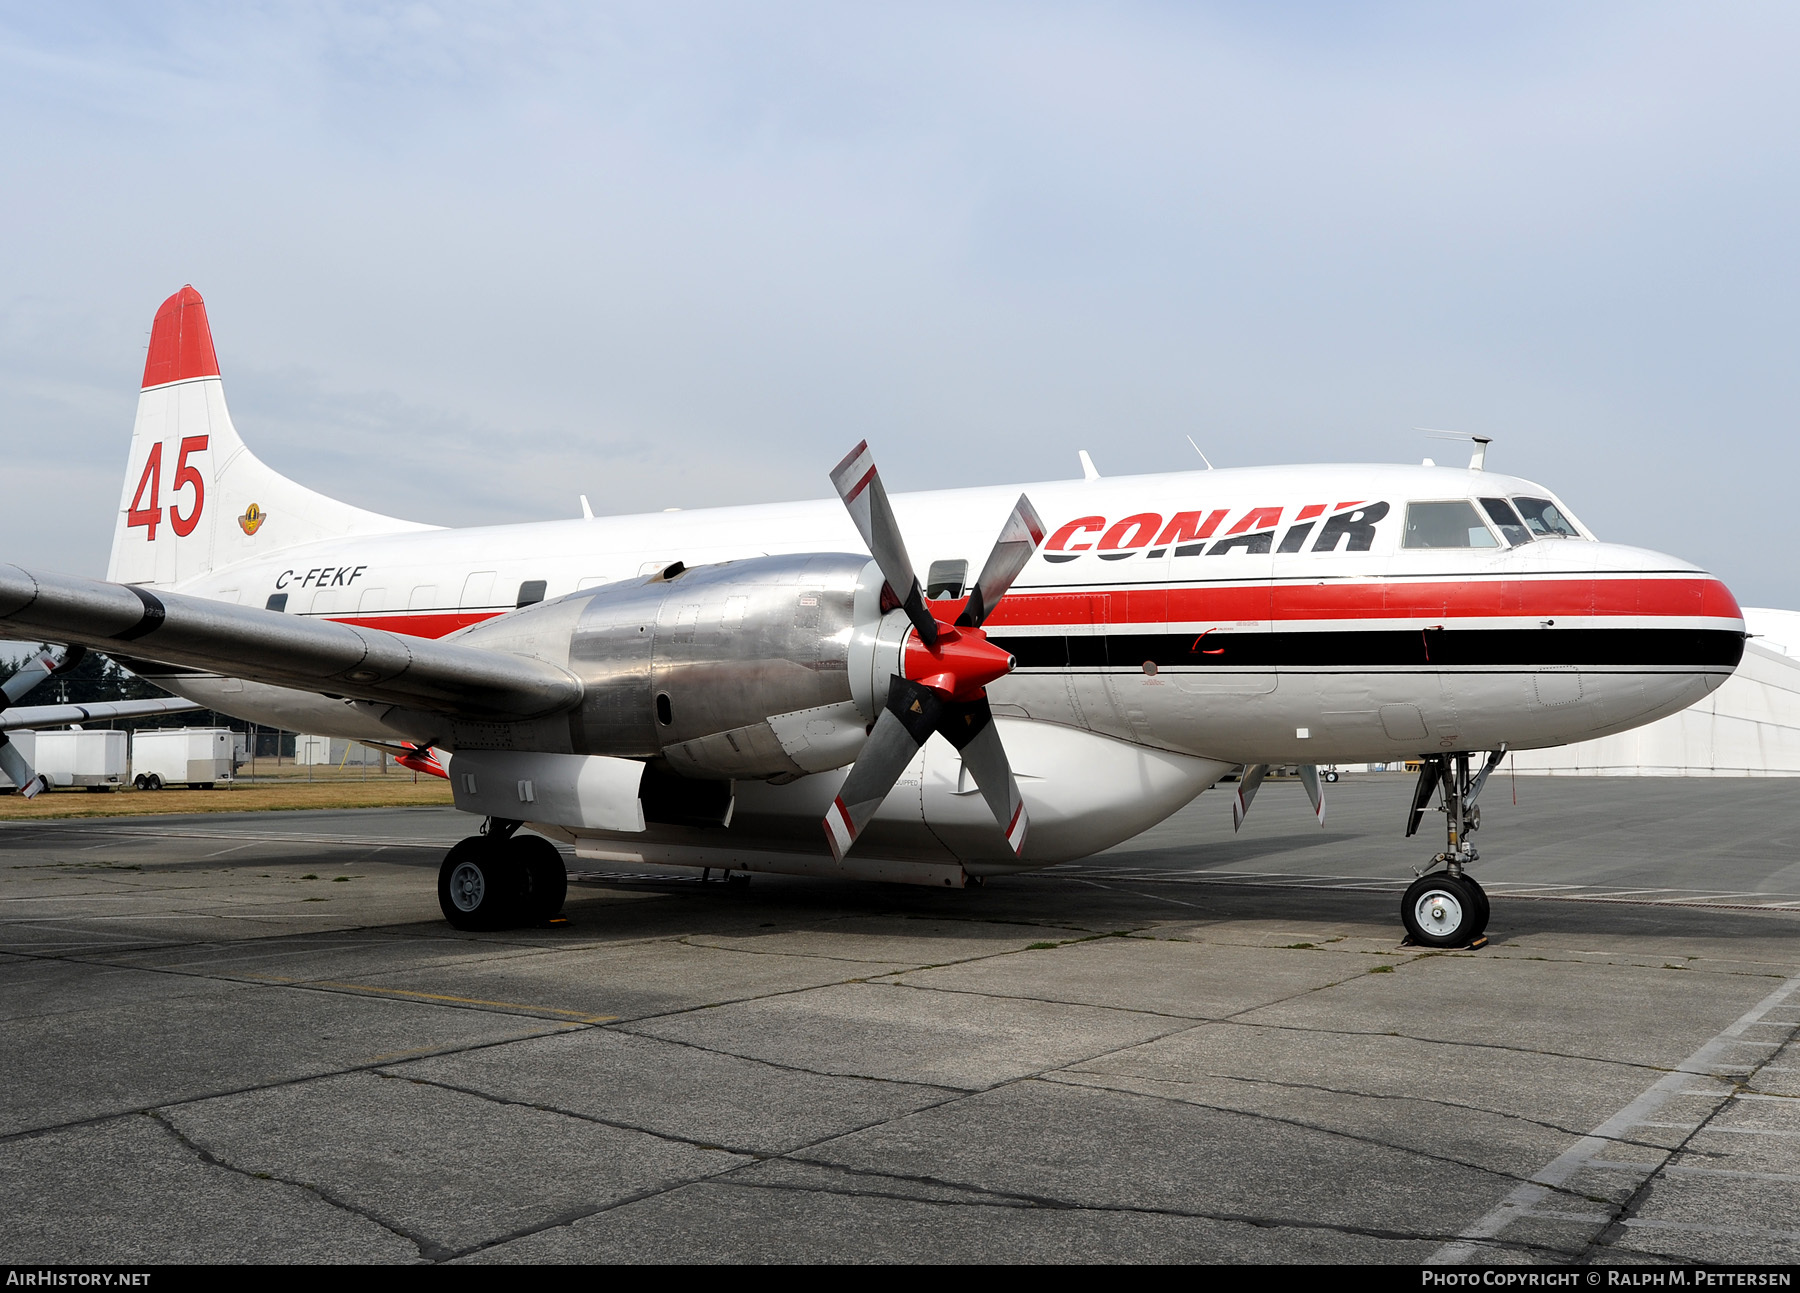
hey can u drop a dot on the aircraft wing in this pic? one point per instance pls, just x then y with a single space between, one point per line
283 650
98 712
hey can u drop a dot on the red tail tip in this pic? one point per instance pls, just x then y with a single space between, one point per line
181 344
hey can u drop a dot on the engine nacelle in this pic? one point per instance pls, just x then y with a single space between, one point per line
772 667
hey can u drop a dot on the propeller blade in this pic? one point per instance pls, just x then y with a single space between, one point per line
1309 777
859 485
422 758
1019 538
1431 768
45 665
18 771
912 715
969 726
1248 783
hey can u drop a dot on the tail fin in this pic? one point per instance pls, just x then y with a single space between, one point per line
195 498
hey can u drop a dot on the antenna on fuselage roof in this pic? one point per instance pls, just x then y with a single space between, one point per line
1203 457
1088 470
1478 459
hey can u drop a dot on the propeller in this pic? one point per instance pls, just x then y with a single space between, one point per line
942 686
1251 779
421 758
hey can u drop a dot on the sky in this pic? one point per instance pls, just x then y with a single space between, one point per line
464 262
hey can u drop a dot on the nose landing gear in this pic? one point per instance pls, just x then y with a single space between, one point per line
502 879
1448 908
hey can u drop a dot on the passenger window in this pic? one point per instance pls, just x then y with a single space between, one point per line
1446 525
1501 514
531 592
945 579
1544 519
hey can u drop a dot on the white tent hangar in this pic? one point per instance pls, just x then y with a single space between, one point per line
1749 727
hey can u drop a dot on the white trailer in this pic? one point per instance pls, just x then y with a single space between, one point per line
93 759
336 751
174 756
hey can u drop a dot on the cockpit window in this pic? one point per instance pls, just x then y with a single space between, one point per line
1454 524
945 579
1545 520
1500 512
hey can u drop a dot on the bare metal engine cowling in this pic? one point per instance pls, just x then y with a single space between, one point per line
771 667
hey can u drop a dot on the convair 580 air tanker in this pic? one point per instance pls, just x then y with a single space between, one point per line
775 688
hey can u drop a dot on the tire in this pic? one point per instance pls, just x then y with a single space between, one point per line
546 878
1480 897
153 781
1440 910
1331 777
140 782
479 885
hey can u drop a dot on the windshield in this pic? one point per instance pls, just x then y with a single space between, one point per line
1500 512
1545 520
1454 524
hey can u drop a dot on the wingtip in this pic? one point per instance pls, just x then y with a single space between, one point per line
181 344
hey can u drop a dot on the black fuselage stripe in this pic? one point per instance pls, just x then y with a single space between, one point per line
1385 648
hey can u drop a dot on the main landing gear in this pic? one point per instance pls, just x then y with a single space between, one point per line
501 879
1448 908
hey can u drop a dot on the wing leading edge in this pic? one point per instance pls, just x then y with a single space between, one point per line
282 650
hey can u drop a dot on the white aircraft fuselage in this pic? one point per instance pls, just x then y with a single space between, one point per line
1171 628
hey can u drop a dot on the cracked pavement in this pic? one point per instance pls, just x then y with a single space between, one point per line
1199 1047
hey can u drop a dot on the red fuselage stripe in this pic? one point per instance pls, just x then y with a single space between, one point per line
1386 600
1475 599
430 624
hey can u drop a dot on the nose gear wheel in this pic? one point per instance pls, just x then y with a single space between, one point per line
1444 910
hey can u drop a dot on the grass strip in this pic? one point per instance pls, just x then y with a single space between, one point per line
255 798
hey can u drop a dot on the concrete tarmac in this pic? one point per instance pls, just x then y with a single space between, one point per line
252 1037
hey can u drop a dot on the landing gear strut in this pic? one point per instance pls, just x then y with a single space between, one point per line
1448 908
500 878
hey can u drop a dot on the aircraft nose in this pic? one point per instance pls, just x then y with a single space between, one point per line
1664 633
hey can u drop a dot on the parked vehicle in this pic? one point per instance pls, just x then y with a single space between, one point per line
94 759
198 757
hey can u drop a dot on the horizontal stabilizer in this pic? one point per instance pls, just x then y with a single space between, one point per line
319 656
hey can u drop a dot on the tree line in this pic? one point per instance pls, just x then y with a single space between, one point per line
99 678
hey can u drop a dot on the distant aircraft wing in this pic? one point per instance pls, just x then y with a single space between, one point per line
283 650
99 712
